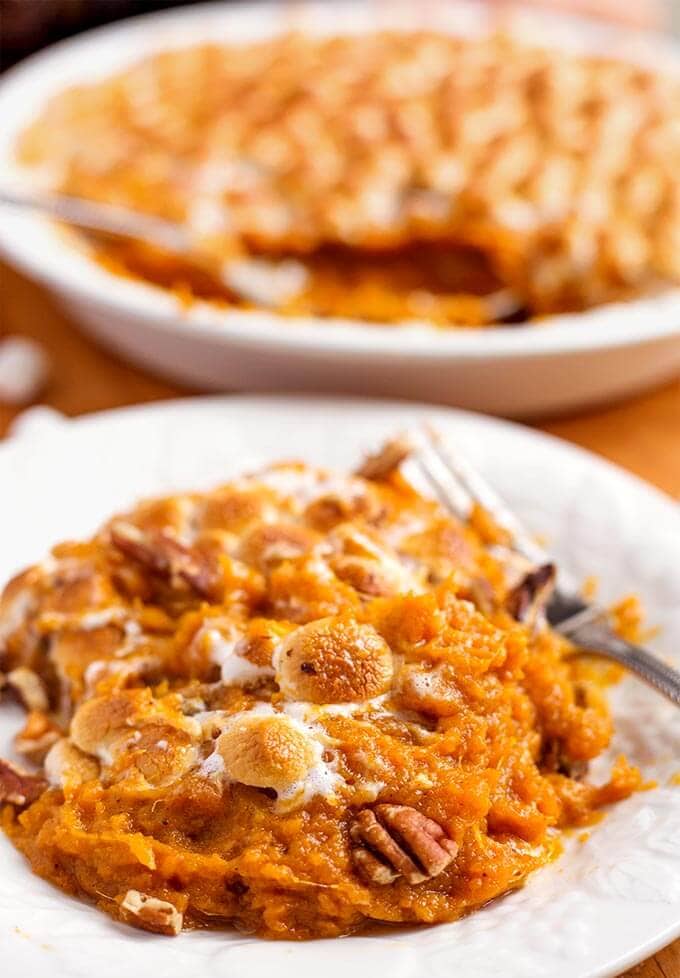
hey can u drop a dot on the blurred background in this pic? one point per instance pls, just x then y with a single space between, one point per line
27 25
73 375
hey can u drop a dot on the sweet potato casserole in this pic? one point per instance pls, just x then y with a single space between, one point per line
297 703
385 176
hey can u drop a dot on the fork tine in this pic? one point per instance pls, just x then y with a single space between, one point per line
470 485
449 493
536 598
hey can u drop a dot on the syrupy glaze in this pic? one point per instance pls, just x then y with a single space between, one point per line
237 678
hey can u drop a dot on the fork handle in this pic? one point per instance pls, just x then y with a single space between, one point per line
597 636
92 215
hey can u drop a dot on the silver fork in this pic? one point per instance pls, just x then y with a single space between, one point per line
458 486
244 276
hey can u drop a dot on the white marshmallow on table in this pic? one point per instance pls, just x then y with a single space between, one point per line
37 420
24 368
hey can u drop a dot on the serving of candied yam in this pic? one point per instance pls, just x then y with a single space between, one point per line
385 176
229 727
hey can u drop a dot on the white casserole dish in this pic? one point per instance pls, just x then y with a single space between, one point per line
567 361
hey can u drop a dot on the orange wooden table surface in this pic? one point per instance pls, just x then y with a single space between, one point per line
642 435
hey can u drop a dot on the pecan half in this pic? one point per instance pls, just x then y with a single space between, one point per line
397 840
161 553
528 599
28 688
152 914
19 787
386 460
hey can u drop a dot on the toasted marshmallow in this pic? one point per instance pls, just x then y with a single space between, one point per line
333 660
98 720
102 726
67 767
269 751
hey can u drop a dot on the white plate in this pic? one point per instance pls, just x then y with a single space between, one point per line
567 361
604 905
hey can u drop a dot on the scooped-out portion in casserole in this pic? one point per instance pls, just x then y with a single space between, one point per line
297 703
384 176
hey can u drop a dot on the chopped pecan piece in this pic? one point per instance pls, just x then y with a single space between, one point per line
386 460
397 840
527 601
152 914
28 688
19 787
165 556
37 737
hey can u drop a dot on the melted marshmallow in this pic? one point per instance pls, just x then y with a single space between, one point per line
235 669
311 712
213 766
321 779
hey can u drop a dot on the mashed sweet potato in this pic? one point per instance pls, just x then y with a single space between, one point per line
295 704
